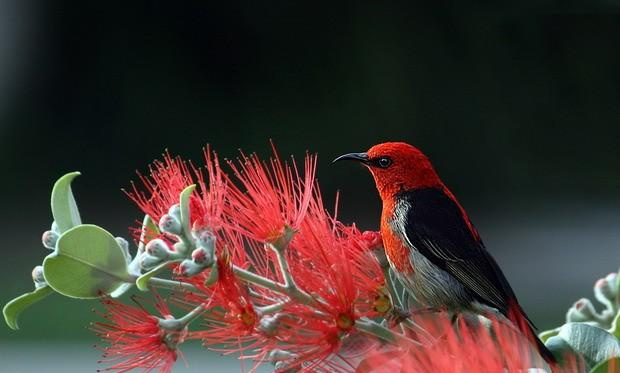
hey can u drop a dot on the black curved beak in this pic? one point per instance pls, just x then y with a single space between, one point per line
360 157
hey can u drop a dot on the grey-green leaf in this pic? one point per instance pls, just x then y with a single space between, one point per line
608 366
184 204
14 308
64 208
593 343
561 349
88 263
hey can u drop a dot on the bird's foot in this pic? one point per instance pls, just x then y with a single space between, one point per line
396 316
427 310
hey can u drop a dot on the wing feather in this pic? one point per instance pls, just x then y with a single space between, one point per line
435 225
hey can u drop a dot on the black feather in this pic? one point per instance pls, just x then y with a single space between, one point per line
435 225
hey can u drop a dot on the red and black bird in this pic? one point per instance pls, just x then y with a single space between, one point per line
431 243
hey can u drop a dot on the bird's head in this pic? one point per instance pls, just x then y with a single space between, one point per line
396 167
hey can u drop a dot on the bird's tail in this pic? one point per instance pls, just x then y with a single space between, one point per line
518 317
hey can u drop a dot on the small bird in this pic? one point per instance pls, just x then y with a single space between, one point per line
430 242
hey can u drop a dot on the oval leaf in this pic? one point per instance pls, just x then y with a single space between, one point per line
88 263
12 309
594 344
184 204
64 208
608 366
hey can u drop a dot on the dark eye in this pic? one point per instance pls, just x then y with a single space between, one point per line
384 162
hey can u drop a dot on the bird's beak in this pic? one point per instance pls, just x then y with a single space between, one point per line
360 157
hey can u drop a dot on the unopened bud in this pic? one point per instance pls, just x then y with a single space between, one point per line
280 355
202 257
175 211
268 324
188 268
205 239
54 227
38 277
170 224
604 292
148 261
614 283
49 239
158 249
581 311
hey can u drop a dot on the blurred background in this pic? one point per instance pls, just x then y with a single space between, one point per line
518 107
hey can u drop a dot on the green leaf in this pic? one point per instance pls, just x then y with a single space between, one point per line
184 205
64 208
142 283
88 263
593 343
12 309
608 366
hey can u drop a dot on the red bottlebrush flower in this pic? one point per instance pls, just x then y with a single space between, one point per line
207 208
333 263
231 318
372 295
167 179
275 196
135 339
170 176
472 347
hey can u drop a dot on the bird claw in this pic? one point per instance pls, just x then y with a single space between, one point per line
396 316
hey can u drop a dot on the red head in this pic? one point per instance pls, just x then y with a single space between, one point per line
397 166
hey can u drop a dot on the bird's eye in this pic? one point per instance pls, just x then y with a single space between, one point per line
384 162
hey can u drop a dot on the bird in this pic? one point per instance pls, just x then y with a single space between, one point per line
432 245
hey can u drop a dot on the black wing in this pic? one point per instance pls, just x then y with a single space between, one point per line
434 224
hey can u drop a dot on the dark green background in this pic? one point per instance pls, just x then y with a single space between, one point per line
516 105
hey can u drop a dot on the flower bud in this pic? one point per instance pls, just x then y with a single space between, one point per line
268 324
204 238
614 283
604 292
170 224
49 239
175 211
148 261
202 257
55 228
158 249
280 355
581 311
38 277
188 268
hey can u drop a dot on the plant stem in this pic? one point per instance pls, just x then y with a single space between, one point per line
373 328
172 285
181 323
